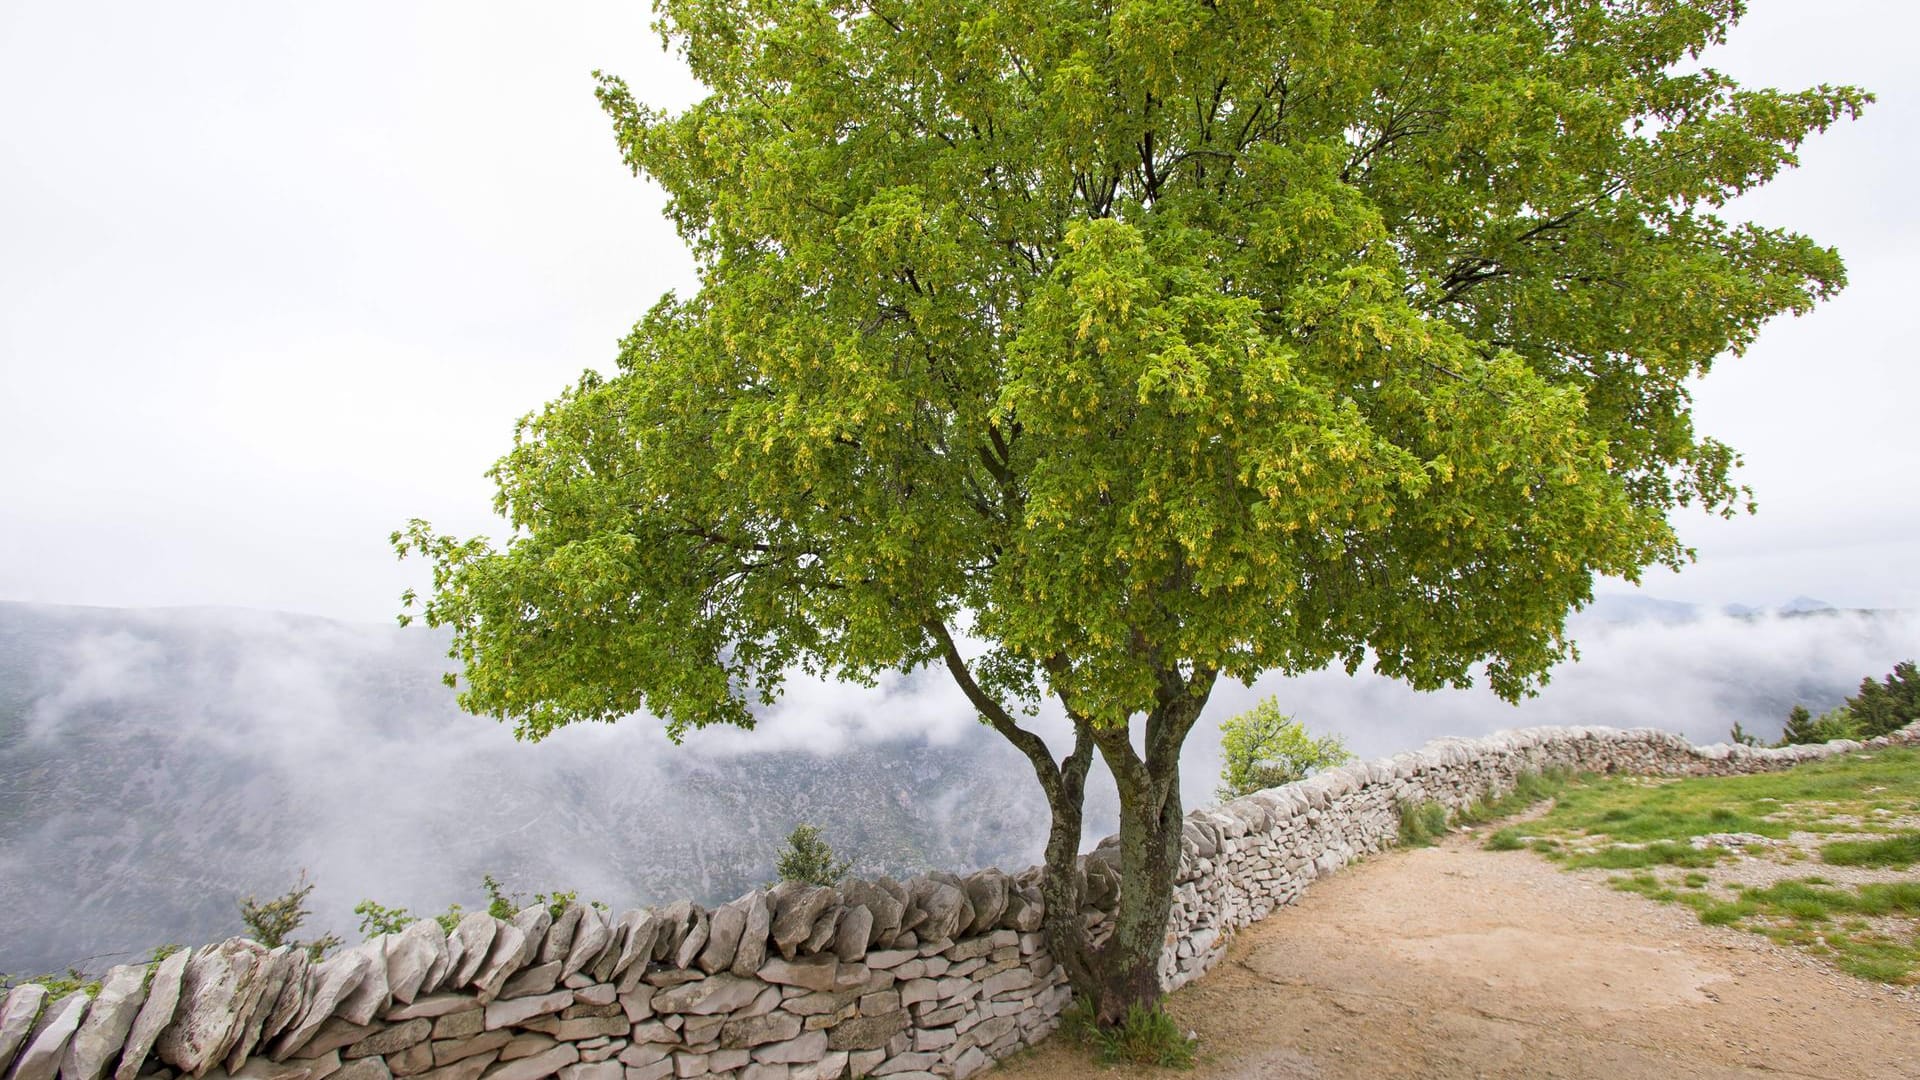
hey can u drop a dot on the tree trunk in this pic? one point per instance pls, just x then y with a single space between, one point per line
1124 971
1126 967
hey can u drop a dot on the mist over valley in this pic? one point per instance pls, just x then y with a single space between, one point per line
158 764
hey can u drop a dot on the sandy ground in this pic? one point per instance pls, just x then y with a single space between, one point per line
1457 962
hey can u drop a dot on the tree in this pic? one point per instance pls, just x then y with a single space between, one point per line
1141 343
1804 727
809 858
1264 747
1889 705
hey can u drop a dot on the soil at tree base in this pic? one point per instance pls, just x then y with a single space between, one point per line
1457 962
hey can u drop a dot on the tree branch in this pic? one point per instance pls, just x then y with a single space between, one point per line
996 715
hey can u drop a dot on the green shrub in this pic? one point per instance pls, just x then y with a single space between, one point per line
272 922
1264 748
1805 728
1889 705
810 859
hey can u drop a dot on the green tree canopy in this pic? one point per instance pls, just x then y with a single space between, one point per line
1264 747
1144 342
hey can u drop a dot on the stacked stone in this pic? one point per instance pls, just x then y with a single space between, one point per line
935 977
1243 859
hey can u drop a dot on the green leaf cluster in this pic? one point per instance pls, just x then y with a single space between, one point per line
1142 342
809 858
1263 748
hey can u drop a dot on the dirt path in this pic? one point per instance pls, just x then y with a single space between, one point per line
1457 962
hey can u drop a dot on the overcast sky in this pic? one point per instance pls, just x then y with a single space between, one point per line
275 278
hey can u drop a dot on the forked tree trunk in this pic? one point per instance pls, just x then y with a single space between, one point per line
1124 971
1127 965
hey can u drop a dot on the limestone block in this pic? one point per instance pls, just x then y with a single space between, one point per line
163 1000
716 994
46 1046
812 973
104 1030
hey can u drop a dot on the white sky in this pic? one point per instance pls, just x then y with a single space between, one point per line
275 278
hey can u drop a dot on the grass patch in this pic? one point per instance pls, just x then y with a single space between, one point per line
1897 852
1643 826
1766 804
1148 1036
1659 853
1511 838
1422 823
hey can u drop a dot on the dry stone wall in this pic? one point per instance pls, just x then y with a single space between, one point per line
935 977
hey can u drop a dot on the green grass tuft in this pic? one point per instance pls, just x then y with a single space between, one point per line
1422 823
1898 852
1148 1036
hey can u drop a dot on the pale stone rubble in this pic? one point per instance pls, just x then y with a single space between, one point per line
934 977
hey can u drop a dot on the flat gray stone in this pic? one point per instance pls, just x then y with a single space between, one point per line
104 1031
675 920
40 1058
987 892
824 929
474 932
292 1000
943 906
638 929
537 1066
487 1042
216 986
809 1047
724 928
505 1012
433 1006
391 1040
812 972
796 913
163 1000
259 1003
464 1069
707 997
694 942
22 1007
328 983
886 910
367 1068
559 940
752 1031
527 1044
370 997
334 1034
591 936
532 982
411 956
854 932
866 1032
512 948
752 949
